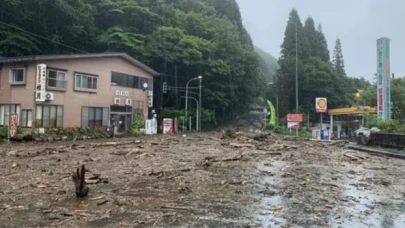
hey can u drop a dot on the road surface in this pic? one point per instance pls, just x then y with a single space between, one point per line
201 180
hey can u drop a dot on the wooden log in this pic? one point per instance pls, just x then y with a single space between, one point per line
80 184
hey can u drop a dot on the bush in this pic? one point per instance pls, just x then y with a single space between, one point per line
138 123
207 119
3 134
302 133
386 126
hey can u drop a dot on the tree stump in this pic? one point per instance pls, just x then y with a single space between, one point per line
80 182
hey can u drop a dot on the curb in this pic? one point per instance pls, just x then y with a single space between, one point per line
377 152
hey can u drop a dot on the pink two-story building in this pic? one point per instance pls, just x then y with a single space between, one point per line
80 90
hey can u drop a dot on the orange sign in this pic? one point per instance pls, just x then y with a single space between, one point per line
12 125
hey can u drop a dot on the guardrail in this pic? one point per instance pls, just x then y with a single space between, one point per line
389 140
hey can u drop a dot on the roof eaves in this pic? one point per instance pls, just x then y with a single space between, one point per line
80 56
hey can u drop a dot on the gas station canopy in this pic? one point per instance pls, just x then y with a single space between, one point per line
351 111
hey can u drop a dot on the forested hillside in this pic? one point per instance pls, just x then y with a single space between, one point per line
180 38
183 39
268 64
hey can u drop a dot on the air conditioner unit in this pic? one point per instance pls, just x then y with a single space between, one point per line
117 101
150 102
150 93
128 102
48 96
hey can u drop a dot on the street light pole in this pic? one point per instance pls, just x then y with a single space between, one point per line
199 104
199 77
197 113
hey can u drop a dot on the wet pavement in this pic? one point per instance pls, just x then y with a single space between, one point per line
201 180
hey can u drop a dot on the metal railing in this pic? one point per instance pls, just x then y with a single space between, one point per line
388 140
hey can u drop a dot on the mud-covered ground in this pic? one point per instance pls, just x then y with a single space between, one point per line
201 180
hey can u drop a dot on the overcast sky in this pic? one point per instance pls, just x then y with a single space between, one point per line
358 24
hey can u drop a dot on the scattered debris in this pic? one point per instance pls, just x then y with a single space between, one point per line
97 198
164 179
102 202
42 186
176 208
239 145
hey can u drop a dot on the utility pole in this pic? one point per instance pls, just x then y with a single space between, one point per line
296 68
176 84
199 104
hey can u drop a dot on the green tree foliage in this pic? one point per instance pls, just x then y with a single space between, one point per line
67 22
317 44
312 37
180 38
369 98
324 51
338 62
317 76
294 30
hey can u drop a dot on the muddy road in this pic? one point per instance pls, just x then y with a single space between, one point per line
201 180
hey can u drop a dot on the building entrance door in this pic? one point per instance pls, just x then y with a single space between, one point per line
121 119
121 122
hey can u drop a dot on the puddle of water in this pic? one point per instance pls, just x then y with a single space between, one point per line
266 215
366 207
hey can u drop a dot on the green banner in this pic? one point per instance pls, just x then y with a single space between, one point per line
272 114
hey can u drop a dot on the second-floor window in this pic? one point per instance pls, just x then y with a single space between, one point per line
17 76
85 82
130 81
56 79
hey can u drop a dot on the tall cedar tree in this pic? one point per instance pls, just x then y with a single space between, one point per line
287 62
312 37
316 75
338 62
324 51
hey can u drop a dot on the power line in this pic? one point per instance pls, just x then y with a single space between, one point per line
42 37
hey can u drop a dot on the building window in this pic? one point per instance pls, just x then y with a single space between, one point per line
5 110
49 116
85 82
17 76
130 81
26 118
56 79
95 116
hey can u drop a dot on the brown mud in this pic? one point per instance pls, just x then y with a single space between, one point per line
202 180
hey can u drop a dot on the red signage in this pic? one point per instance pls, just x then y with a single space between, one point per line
380 99
12 125
295 117
297 126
